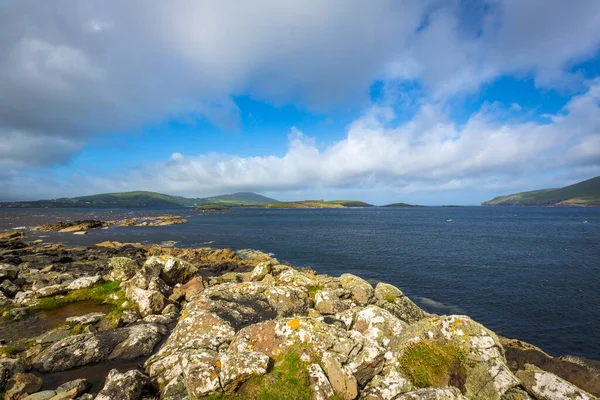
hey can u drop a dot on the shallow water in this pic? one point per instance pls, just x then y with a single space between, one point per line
529 273
43 321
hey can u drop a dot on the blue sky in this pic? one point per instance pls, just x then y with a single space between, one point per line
428 102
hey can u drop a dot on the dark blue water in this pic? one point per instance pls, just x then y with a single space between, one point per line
528 273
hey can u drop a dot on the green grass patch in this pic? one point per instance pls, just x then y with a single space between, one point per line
99 293
7 351
390 298
312 290
288 380
432 364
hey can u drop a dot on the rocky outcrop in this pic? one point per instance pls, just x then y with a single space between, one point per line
580 372
119 344
238 318
547 386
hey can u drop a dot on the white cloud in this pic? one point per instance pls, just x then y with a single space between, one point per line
426 154
69 73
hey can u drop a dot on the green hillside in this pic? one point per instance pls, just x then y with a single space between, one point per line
145 199
236 199
586 193
130 199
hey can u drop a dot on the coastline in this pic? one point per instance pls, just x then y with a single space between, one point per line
168 291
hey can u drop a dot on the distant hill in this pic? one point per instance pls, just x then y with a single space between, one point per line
586 193
145 199
401 205
236 199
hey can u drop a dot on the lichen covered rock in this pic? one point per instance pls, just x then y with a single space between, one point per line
547 386
361 290
119 344
393 300
123 386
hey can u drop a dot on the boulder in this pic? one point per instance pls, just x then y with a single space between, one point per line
260 271
119 344
547 386
43 395
393 300
189 290
148 301
9 367
90 318
579 372
123 386
172 270
8 288
8 271
26 298
288 300
51 290
341 378
296 278
236 368
21 385
434 394
379 325
122 268
84 282
77 386
327 302
319 383
186 355
388 384
361 290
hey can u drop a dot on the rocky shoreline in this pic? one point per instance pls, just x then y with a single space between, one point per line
132 321
84 225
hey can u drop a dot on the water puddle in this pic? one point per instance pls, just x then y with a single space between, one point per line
95 374
44 321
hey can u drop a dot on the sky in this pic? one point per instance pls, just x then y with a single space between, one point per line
429 102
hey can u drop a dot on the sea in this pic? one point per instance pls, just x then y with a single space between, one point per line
531 273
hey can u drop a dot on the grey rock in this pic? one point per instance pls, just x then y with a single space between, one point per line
8 288
123 386
119 344
80 386
43 395
8 271
319 383
122 268
361 290
547 386
91 318
84 282
21 385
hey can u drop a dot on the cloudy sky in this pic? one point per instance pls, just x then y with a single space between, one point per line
429 102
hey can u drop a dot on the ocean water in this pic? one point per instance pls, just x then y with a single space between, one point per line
528 273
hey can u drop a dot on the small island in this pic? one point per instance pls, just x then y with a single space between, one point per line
212 207
313 204
401 205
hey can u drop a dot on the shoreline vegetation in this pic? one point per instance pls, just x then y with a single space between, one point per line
133 321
